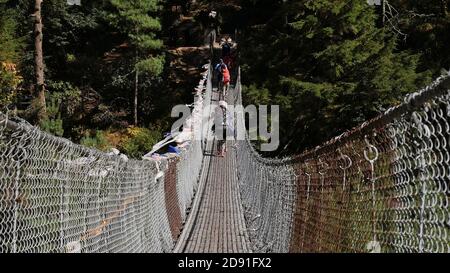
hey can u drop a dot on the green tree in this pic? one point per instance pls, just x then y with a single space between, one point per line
138 20
11 46
328 65
426 24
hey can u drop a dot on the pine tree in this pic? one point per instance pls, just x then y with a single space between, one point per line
11 47
10 44
138 20
426 24
329 67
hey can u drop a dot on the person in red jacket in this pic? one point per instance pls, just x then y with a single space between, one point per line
226 77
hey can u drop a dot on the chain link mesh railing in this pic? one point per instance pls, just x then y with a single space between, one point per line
383 187
56 196
268 191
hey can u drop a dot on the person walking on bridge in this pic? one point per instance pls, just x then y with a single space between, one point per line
226 48
227 54
223 128
226 81
218 70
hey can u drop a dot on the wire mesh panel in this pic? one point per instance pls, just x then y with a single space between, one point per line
56 196
380 189
383 187
267 190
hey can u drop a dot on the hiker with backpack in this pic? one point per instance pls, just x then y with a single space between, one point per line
226 79
227 55
218 71
226 49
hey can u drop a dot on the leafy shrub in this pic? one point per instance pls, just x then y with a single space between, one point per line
254 95
67 97
98 141
53 126
134 141
9 81
139 141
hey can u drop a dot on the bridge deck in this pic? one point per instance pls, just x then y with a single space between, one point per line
217 224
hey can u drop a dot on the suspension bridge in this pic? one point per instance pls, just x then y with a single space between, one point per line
382 187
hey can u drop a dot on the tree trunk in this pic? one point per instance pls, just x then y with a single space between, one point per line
136 84
39 96
383 11
444 7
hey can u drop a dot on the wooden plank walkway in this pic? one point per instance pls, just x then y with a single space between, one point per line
216 223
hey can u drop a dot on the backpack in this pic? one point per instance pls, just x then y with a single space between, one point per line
226 75
226 49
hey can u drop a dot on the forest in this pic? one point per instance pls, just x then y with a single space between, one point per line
106 73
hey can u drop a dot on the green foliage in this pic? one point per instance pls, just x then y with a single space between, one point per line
64 102
133 141
53 124
11 46
259 96
9 81
140 141
67 97
328 65
135 19
98 141
426 24
138 22
152 66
